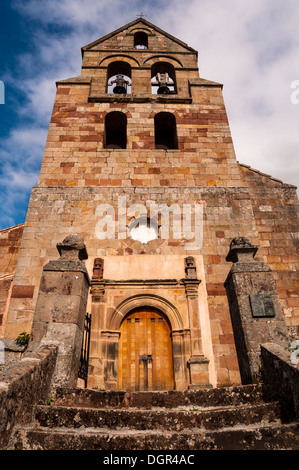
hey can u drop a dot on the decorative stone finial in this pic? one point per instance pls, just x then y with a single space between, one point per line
98 268
241 249
190 268
72 247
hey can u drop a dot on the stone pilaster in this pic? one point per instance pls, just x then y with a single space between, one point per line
198 363
255 308
61 308
98 340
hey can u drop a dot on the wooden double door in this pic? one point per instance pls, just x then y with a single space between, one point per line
145 352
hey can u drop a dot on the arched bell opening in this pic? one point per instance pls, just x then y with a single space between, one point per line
163 79
140 40
119 78
145 351
115 130
165 131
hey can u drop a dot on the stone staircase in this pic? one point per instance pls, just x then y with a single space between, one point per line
232 418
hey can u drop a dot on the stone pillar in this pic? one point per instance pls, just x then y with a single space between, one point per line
61 307
198 363
255 308
181 353
98 346
110 348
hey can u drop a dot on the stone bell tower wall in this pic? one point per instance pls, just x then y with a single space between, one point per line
74 153
78 174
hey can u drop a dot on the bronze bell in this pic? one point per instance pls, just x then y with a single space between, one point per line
120 85
163 80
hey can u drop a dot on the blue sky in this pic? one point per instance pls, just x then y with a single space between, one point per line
250 47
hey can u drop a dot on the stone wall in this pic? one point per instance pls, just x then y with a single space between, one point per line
10 240
22 386
74 209
75 153
280 379
275 207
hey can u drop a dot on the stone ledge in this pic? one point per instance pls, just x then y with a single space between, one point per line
67 265
139 99
136 282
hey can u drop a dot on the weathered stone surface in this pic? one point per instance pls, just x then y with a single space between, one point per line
189 420
69 339
245 280
280 379
258 438
71 244
22 386
226 396
241 249
61 308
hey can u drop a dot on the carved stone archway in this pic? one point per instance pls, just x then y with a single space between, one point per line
180 337
146 300
145 360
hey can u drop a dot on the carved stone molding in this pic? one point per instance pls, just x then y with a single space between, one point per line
191 287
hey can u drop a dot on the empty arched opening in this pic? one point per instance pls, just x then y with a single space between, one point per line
163 78
165 131
119 78
140 40
115 130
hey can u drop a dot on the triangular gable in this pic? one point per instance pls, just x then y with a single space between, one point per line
133 23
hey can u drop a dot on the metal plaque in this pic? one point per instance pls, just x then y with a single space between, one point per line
262 305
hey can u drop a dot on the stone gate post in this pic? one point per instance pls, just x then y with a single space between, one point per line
255 308
61 308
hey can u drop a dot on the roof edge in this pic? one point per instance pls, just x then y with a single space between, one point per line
12 227
79 80
132 23
248 167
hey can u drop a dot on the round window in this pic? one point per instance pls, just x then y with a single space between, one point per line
143 229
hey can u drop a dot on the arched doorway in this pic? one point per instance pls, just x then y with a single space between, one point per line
145 351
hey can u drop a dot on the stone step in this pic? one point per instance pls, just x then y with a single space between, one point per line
157 419
210 397
255 437
231 418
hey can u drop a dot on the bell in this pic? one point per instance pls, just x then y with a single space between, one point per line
163 80
120 85
119 90
163 90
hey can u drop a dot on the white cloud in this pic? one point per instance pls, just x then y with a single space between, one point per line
19 179
79 14
21 154
24 147
252 48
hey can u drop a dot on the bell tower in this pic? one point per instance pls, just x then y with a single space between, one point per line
139 162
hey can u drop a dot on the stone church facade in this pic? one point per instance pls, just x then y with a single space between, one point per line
139 145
